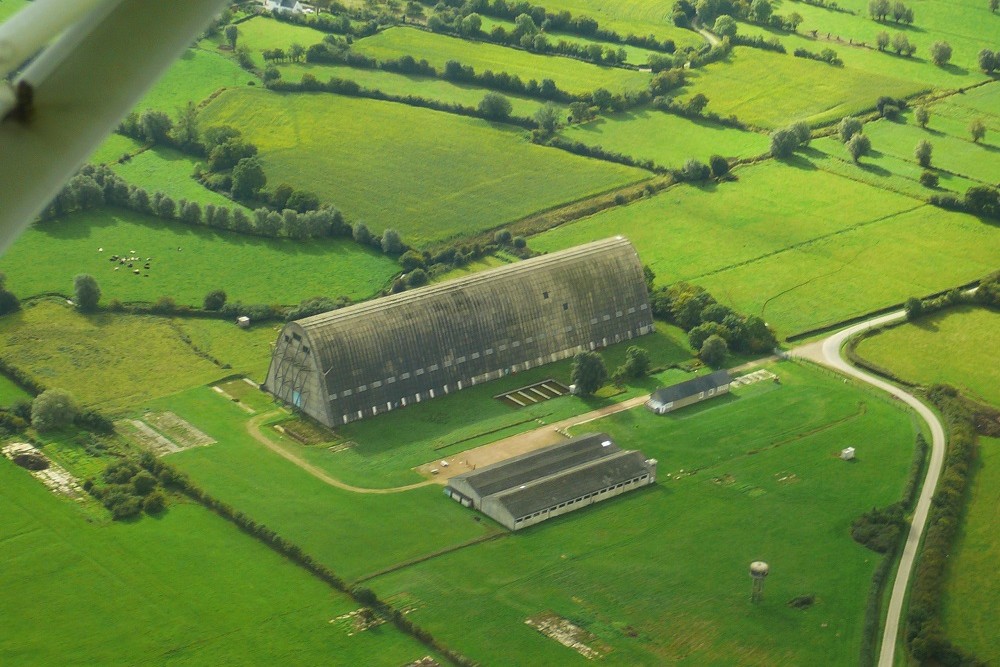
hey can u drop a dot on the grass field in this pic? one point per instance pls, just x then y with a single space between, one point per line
10 392
262 33
571 75
426 184
638 17
956 346
169 171
107 362
835 249
969 606
352 533
666 139
185 588
247 351
196 75
10 7
659 575
751 82
186 262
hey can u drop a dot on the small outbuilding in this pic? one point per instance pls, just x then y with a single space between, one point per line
530 488
847 453
243 322
668 399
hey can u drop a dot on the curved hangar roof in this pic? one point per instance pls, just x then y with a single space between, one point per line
398 350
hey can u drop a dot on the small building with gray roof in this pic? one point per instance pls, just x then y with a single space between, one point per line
668 399
548 482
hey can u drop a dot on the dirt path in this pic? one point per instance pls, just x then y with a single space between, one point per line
827 353
253 428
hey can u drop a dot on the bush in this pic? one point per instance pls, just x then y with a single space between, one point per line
713 352
214 300
52 410
929 179
416 278
154 503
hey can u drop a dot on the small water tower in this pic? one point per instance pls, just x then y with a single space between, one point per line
758 571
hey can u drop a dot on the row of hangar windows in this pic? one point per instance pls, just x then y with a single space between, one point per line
584 498
447 363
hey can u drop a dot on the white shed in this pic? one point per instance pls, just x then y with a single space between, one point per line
243 321
847 453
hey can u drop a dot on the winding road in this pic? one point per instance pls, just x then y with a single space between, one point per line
827 353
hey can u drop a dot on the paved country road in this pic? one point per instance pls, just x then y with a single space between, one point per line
827 353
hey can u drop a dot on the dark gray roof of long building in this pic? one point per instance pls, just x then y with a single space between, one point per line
573 483
691 387
540 463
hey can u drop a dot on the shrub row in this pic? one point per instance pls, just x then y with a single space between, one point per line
981 200
172 478
338 24
828 56
580 148
695 108
758 42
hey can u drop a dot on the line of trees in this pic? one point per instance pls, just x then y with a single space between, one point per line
880 10
827 55
980 200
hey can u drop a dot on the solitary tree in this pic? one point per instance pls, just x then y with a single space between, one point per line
929 179
802 132
53 409
922 116
923 153
989 61
783 143
714 350
361 233
589 372
719 166
86 291
901 44
878 9
882 40
547 117
940 53
725 26
495 106
232 34
858 146
637 361
392 244
848 127
977 129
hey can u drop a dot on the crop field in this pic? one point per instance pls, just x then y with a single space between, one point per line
106 361
403 84
666 139
195 76
659 575
969 605
638 17
957 346
426 184
243 473
170 171
186 262
841 250
185 588
574 76
750 80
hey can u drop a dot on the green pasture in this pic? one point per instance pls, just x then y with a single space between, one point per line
881 168
952 152
262 32
352 533
769 89
10 392
956 346
638 17
575 76
185 588
113 148
660 575
637 55
192 78
106 361
967 25
799 246
404 84
187 261
666 139
170 171
247 351
981 102
970 606
10 7
861 56
383 450
368 159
